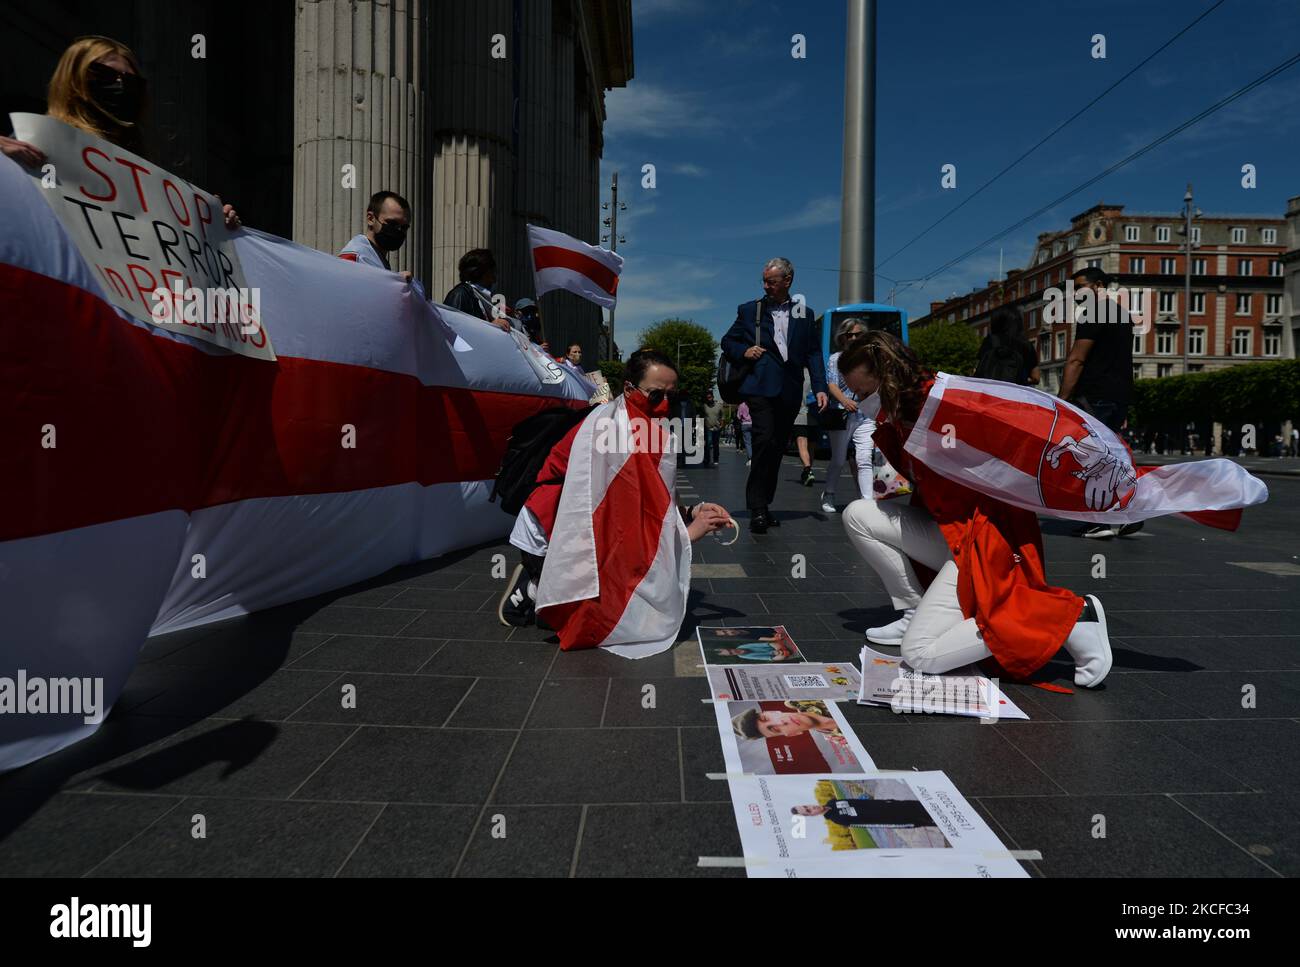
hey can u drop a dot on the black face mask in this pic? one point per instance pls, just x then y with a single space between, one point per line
390 236
120 96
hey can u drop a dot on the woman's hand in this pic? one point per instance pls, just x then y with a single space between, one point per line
708 518
231 217
22 152
849 405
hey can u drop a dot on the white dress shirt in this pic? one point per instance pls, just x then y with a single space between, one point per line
781 327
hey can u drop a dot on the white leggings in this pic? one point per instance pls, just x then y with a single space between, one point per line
888 532
858 429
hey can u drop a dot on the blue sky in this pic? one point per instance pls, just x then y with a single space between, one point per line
746 139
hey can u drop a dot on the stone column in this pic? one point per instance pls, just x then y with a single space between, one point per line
359 99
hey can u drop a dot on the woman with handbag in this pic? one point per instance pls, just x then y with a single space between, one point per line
851 421
988 597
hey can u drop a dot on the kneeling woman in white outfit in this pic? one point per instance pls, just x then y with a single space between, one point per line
859 423
989 596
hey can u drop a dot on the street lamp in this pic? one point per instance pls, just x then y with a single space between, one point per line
1189 213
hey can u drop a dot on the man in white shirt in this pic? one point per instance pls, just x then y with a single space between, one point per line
776 337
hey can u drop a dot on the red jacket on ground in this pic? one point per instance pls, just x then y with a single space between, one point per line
1001 581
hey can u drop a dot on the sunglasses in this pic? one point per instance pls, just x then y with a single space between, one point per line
657 396
105 75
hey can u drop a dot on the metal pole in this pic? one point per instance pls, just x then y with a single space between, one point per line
613 247
1187 271
858 204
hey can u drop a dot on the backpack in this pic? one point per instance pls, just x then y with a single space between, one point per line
530 443
1002 361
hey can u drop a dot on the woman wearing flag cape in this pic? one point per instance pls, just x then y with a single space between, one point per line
985 458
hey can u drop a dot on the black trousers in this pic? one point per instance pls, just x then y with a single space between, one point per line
773 418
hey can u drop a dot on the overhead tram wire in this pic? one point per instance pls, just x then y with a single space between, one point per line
1262 79
1051 134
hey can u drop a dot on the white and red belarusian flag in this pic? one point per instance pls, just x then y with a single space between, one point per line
1030 449
563 262
151 481
618 569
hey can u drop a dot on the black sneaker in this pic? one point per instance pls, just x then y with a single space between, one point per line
808 478
1126 529
516 608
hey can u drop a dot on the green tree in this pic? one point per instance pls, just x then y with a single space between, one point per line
692 347
949 347
614 371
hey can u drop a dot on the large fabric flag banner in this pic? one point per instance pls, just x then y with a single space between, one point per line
1032 450
618 569
563 262
153 478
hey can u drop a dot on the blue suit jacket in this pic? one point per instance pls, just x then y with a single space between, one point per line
770 376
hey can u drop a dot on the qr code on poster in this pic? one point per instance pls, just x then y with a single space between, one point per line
805 681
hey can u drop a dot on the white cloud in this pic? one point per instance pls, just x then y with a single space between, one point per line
818 211
689 170
652 111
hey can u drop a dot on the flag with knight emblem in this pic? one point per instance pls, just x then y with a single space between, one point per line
1033 450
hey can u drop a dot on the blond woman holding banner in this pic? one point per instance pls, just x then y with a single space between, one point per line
98 88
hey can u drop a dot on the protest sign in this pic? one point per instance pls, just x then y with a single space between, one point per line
791 736
832 683
741 646
157 245
913 824
887 680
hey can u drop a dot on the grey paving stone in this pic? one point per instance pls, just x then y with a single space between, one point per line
229 758
569 703
413 841
592 765
495 703
1206 654
658 841
423 599
1259 753
68 833
1099 758
1144 836
978 758
491 659
244 837
275 698
1147 696
674 702
475 626
384 764
702 757
342 620
417 700
523 841
362 653
599 663
1265 824
1221 694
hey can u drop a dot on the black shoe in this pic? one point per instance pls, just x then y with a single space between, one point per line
772 520
1126 529
516 608
759 522
807 478
1098 532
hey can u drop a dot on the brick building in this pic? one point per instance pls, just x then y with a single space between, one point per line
1239 310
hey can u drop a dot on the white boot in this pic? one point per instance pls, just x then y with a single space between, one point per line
1089 646
892 633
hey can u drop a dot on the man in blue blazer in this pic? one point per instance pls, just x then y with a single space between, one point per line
786 344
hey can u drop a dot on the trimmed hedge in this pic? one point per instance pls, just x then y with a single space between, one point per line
1249 392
